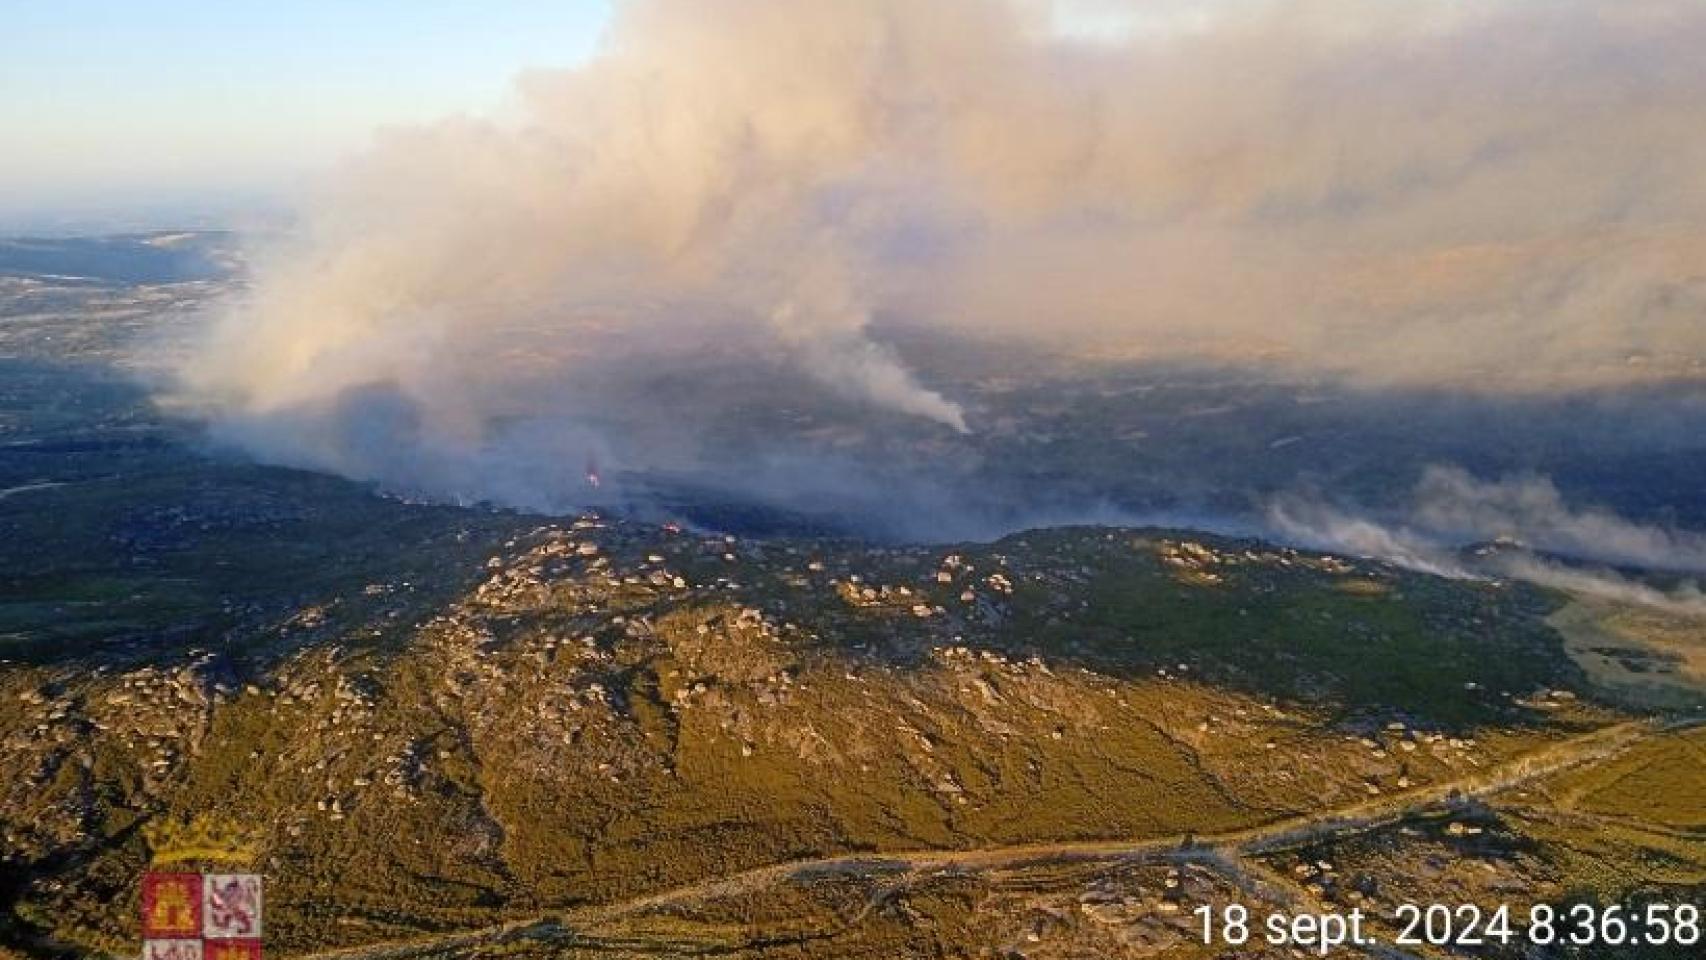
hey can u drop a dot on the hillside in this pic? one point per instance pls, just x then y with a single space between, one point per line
614 710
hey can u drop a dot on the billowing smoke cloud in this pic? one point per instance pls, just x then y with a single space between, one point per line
1498 196
1452 511
1683 599
1315 524
1455 506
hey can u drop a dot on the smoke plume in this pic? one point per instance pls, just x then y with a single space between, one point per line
1451 510
1503 196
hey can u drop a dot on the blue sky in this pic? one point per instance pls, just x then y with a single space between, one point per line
144 113
155 108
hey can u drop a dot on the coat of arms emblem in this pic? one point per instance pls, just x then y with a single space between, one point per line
200 916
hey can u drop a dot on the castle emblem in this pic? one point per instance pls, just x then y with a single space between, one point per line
201 916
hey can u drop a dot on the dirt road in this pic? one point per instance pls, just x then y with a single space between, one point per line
1224 848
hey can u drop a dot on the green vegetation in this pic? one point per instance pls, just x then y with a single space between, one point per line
1448 652
609 710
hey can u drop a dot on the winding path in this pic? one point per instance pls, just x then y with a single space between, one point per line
1223 848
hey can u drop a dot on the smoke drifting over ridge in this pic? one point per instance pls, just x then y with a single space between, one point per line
1450 510
1451 507
1509 196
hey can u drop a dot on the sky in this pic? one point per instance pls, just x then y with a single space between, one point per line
184 109
120 114
168 113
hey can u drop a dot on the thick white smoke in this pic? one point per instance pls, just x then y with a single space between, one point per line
1459 507
1505 195
1451 510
